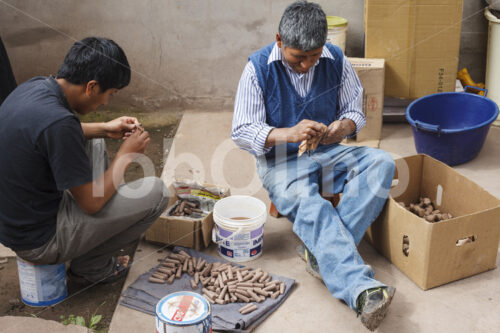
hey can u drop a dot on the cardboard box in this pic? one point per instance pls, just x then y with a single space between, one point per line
371 73
420 41
444 251
174 230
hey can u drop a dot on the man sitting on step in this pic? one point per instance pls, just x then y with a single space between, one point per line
301 88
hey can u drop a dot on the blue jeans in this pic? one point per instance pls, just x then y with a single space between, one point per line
363 175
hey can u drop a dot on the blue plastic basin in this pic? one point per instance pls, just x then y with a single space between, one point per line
451 127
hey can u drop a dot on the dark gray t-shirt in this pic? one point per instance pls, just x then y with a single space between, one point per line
42 153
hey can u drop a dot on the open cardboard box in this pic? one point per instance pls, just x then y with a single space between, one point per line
444 251
175 230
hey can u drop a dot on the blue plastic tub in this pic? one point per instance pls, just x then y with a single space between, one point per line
451 127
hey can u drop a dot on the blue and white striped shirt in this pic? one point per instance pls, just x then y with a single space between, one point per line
250 130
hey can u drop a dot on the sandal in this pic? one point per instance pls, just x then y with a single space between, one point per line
120 270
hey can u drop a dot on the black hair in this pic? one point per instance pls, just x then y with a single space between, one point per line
99 59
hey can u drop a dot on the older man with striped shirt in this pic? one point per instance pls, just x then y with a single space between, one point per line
300 88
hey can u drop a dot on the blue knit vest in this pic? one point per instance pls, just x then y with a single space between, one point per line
284 106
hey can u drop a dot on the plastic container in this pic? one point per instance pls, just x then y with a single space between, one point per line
239 227
42 285
337 31
183 312
451 126
493 58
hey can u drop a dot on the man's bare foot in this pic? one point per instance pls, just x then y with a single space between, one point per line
123 261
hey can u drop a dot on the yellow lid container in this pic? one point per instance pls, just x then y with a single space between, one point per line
337 31
336 21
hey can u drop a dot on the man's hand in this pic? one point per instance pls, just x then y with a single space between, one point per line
85 195
121 127
305 130
338 130
136 143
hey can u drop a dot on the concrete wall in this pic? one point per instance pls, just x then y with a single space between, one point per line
183 53
474 39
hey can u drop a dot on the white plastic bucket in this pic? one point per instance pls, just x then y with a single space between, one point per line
183 312
42 285
493 59
239 227
337 31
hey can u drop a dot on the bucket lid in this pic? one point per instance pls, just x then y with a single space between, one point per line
183 308
335 21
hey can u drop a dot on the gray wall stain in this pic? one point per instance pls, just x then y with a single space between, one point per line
31 36
250 27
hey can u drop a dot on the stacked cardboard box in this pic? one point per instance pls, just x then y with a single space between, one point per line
371 73
419 39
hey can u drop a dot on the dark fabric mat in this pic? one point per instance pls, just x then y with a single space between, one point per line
143 296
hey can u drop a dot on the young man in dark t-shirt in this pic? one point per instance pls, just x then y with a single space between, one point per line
60 199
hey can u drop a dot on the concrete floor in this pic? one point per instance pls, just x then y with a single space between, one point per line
202 150
11 324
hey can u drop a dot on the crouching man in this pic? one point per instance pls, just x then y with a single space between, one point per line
61 199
